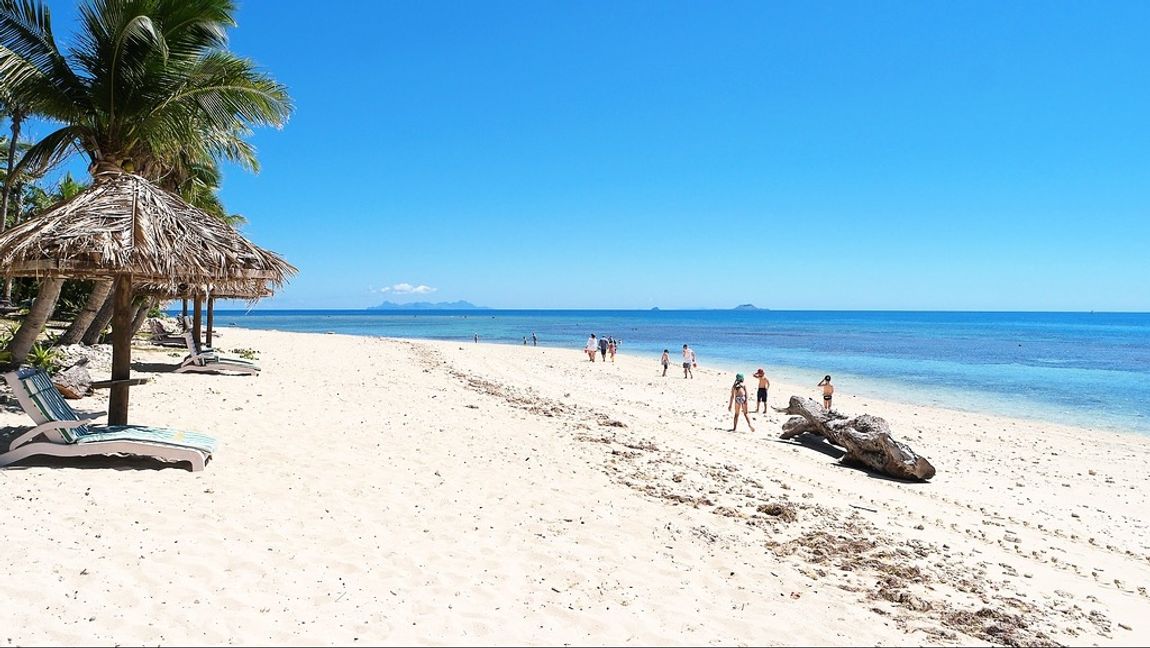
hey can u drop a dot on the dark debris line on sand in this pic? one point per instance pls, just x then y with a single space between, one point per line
846 550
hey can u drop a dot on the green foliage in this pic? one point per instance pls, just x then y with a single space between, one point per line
246 354
52 338
148 85
44 357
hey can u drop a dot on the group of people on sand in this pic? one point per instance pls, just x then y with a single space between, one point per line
604 345
689 361
738 400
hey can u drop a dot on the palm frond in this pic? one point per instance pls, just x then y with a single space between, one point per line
50 151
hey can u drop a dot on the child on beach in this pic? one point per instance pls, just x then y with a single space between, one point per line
761 395
828 391
739 401
590 348
665 361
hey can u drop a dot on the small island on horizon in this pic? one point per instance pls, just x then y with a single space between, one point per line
748 307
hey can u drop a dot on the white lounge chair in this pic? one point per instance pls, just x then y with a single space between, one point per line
60 432
205 359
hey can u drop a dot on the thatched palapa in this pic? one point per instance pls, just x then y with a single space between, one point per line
126 228
123 224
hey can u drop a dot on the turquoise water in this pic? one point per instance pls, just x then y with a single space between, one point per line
1082 368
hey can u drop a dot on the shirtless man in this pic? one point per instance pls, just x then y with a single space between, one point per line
761 395
828 392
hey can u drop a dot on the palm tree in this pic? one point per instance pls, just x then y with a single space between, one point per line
148 86
16 115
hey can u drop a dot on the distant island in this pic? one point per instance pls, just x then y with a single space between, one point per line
748 307
456 305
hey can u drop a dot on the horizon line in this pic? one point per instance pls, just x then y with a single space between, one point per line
696 309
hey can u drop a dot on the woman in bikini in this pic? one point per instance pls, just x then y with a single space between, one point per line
828 392
738 401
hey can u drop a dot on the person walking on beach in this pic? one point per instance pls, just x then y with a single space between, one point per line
738 400
603 348
688 361
612 345
534 340
665 360
828 392
477 338
761 394
590 348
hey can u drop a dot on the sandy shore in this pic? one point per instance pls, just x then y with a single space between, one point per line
389 492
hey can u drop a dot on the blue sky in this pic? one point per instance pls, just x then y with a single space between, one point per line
813 155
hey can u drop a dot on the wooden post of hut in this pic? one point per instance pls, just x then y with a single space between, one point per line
122 314
184 315
211 317
197 320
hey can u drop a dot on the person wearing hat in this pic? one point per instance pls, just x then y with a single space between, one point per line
738 402
761 395
828 391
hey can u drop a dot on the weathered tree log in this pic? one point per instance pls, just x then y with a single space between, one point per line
867 439
74 382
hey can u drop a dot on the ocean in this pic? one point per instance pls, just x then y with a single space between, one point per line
1090 369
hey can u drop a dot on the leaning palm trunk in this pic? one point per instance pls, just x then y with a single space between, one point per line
33 323
79 326
100 321
142 314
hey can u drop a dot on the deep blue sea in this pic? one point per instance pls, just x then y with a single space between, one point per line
1089 369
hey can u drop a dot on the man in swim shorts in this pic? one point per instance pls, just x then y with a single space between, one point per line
761 394
828 392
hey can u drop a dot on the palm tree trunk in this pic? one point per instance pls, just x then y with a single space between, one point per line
100 291
142 314
19 209
33 323
10 180
100 321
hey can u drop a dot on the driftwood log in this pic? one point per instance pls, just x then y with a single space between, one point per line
866 439
74 382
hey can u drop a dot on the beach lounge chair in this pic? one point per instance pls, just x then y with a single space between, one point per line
205 359
60 432
161 336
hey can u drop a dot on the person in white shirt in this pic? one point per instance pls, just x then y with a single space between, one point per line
591 347
688 361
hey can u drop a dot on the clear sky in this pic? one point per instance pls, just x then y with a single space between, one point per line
806 155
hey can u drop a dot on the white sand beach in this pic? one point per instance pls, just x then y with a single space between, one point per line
379 491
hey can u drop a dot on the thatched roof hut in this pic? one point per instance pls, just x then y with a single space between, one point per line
126 228
249 290
123 224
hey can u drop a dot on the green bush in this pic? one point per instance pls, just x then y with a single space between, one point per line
44 357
